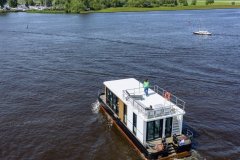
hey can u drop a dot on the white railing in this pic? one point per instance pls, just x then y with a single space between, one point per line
172 98
132 95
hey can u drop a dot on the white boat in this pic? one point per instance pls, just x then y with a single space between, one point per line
153 124
202 33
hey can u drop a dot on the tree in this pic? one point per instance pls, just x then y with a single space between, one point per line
68 6
175 2
2 2
29 3
76 6
42 2
48 3
185 3
96 5
26 4
181 1
209 2
194 2
59 4
13 3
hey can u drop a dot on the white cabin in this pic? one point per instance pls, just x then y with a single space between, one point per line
149 117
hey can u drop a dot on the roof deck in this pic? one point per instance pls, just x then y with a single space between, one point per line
153 106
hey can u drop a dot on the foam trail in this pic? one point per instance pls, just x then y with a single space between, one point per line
95 107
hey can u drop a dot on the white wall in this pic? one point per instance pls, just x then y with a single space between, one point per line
140 127
129 118
140 123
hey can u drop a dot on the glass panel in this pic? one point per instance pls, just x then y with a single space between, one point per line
125 114
110 98
157 129
134 123
168 127
150 130
107 96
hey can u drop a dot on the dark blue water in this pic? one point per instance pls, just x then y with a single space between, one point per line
52 66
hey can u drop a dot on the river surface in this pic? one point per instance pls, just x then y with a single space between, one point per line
52 66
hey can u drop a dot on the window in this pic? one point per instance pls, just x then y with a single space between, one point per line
108 97
168 127
150 130
134 123
125 113
154 129
158 129
115 104
112 100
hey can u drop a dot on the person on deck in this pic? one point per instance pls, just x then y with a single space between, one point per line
146 86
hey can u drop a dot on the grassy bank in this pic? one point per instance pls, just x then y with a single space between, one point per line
46 11
6 11
134 9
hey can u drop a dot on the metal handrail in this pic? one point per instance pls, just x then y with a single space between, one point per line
174 99
189 134
152 113
147 112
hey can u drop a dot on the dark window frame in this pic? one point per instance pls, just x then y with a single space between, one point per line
168 131
134 123
124 113
112 100
154 129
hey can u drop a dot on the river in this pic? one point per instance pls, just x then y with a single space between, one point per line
52 66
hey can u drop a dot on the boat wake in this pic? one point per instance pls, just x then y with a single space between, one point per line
194 156
95 107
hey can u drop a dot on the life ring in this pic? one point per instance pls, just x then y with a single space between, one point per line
167 95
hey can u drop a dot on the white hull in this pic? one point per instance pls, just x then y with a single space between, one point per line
202 33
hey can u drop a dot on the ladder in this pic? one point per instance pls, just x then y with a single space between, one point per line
175 126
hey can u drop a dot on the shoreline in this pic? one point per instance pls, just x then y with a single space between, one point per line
177 8
132 9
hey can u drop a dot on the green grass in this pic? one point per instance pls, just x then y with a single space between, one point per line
2 11
217 2
46 11
197 7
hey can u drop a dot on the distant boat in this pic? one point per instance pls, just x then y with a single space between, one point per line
202 33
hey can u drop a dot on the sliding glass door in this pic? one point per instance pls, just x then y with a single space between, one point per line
154 129
168 127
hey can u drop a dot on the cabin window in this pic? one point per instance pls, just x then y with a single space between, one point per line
154 129
108 97
112 100
115 104
134 123
125 113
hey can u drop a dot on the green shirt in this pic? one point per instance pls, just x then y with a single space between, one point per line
146 84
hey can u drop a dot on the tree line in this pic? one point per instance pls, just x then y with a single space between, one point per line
76 6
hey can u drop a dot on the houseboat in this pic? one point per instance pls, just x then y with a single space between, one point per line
152 123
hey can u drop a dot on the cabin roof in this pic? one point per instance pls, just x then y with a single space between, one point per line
155 100
117 86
